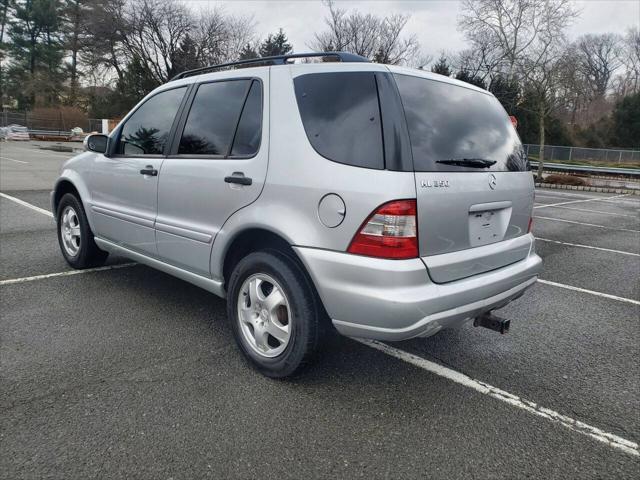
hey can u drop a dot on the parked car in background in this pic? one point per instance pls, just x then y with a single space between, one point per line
385 202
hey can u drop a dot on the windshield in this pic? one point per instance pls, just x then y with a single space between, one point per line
450 124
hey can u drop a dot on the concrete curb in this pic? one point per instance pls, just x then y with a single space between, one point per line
581 188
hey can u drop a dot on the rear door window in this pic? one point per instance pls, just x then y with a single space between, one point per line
247 139
451 122
213 118
341 116
146 131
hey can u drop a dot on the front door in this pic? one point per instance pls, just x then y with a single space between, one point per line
124 186
217 165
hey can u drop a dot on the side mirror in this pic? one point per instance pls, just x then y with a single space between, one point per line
96 143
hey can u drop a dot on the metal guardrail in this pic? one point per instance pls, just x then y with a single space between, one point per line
632 172
559 154
53 133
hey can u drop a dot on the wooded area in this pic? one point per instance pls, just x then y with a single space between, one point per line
101 56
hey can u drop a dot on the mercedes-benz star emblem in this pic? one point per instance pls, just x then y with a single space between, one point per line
492 181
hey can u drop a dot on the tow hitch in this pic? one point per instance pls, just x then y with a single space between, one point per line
492 322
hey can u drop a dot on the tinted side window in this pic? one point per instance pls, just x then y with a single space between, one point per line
341 116
147 130
213 117
449 122
247 139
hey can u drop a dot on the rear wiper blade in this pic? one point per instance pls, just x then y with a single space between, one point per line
468 162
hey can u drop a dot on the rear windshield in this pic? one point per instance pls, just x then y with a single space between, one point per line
448 122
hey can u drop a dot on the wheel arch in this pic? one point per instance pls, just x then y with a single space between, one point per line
63 186
253 239
70 182
258 238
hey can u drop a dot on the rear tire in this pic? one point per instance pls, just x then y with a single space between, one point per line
75 237
269 293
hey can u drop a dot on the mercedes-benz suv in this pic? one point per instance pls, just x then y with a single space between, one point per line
387 202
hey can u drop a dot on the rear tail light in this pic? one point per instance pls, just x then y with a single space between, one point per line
530 226
389 232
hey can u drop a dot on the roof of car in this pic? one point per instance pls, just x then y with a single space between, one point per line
318 67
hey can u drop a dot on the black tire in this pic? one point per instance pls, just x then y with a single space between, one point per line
308 320
88 254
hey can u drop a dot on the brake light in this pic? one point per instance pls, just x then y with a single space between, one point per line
389 232
530 226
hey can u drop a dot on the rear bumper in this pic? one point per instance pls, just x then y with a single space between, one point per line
396 299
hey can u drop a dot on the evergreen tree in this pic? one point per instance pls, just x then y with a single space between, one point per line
35 73
442 67
626 122
248 52
4 23
507 91
275 45
73 18
472 79
186 57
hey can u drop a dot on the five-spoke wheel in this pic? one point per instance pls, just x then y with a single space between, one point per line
70 231
263 313
75 236
274 311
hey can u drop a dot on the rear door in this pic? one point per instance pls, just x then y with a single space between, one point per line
474 190
124 186
217 165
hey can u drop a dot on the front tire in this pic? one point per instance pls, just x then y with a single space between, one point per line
75 236
275 315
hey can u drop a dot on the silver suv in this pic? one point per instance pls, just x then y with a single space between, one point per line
388 202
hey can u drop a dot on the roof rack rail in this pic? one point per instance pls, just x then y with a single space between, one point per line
276 60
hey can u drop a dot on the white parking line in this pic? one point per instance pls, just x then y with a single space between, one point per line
13 159
589 199
561 194
64 274
627 201
610 439
587 246
591 292
28 205
587 224
597 211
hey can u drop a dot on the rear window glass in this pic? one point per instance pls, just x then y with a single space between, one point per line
450 122
247 139
341 116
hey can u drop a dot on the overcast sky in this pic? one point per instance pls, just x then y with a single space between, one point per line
433 21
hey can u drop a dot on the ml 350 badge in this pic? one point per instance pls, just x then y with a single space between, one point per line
434 183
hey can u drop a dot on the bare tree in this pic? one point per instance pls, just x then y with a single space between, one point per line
545 66
161 37
629 81
377 38
512 27
220 38
546 74
105 28
483 60
598 59
155 31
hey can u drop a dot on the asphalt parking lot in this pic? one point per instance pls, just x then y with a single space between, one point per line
126 372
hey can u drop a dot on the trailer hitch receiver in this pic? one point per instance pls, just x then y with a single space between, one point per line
492 322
